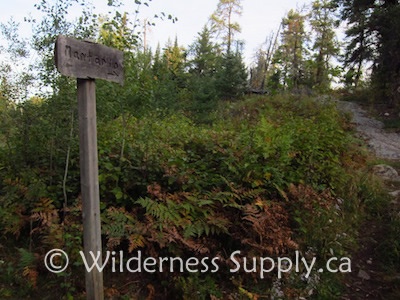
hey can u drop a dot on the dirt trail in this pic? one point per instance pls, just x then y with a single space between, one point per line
385 145
370 280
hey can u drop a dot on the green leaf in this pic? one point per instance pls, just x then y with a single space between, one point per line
117 193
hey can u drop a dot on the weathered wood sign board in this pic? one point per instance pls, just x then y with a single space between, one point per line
87 60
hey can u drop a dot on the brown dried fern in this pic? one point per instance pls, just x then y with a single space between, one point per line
267 227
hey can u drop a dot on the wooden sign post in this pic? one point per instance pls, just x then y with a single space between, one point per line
87 61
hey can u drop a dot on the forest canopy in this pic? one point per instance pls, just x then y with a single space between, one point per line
303 54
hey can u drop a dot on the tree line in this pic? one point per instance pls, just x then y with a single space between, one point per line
304 54
178 174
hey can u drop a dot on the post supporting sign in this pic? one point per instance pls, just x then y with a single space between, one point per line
87 61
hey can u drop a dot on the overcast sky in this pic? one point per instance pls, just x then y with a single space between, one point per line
259 19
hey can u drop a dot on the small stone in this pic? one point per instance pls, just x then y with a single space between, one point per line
369 261
363 275
395 194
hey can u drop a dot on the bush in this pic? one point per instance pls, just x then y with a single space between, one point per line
266 178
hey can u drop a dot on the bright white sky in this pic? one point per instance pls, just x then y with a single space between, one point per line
259 19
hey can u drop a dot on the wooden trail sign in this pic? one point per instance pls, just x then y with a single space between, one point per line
83 59
87 61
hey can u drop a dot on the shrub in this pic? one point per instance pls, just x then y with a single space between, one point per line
264 178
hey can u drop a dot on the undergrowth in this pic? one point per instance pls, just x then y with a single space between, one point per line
267 176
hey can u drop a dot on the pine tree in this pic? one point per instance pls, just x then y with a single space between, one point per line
386 72
170 76
325 45
175 57
223 23
290 54
360 48
231 75
374 30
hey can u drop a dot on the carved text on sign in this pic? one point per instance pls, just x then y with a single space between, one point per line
92 59
84 59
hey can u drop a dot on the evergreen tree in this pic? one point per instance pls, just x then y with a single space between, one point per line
231 75
162 83
175 57
360 48
290 54
325 45
374 29
202 69
386 72
223 23
170 77
231 78
204 54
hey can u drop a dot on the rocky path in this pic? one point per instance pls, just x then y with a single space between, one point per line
385 145
369 280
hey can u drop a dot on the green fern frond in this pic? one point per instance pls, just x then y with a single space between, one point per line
26 258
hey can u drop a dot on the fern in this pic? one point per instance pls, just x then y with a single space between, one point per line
45 212
269 227
26 258
168 212
219 224
32 276
136 241
13 219
119 225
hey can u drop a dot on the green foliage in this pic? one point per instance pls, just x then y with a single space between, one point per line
203 59
300 61
203 288
263 177
393 124
373 32
181 173
390 247
231 78
222 21
290 56
324 23
194 183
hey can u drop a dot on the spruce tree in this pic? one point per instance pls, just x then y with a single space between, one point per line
202 69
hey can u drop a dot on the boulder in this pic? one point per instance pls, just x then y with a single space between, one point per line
386 172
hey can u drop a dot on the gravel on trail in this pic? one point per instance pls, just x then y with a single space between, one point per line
385 145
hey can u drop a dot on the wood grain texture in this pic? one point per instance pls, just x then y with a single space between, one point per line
90 184
87 60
